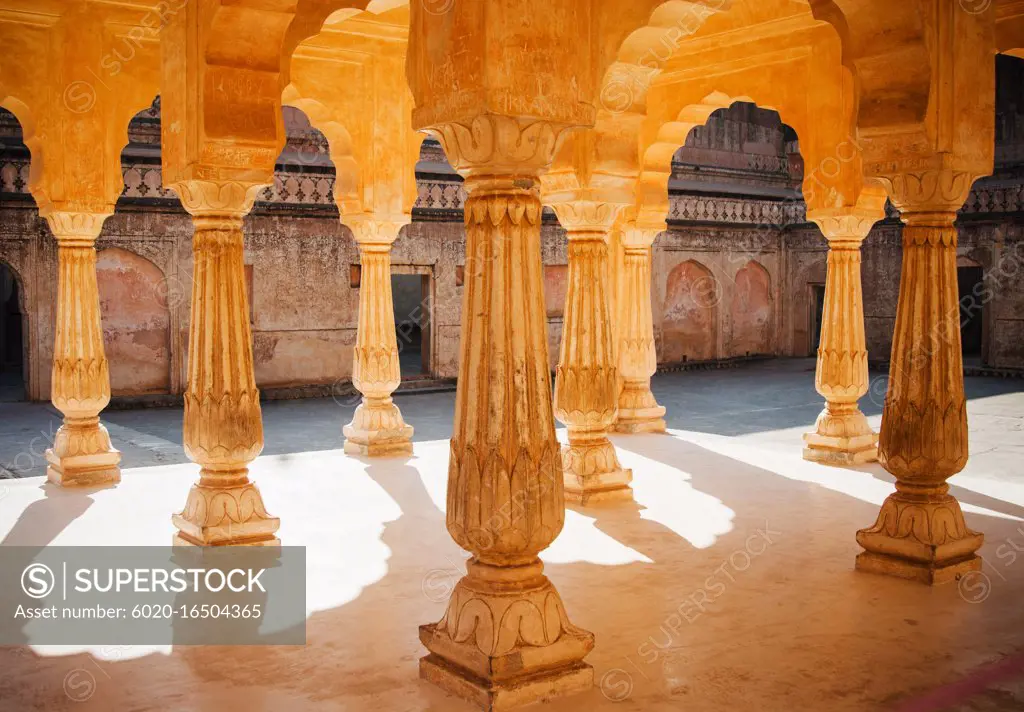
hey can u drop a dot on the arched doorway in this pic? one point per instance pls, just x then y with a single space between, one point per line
13 361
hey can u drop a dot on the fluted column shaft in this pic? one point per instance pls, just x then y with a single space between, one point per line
639 411
223 426
586 379
377 427
82 454
920 532
842 435
505 623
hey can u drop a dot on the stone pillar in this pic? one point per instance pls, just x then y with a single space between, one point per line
377 427
842 435
586 380
639 412
81 454
223 429
505 638
920 533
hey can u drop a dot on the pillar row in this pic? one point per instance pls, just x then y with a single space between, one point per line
377 427
842 435
505 638
639 411
920 533
82 454
586 379
223 426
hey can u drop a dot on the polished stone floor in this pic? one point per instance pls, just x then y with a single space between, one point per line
727 585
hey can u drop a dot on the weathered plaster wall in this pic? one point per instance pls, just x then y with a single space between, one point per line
136 322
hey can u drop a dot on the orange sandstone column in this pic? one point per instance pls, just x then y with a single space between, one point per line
842 435
82 454
223 430
505 638
639 412
920 533
586 380
377 427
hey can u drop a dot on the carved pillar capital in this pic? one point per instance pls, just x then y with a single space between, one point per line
75 227
587 216
374 230
845 229
930 195
492 145
207 198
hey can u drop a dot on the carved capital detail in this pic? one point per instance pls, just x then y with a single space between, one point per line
76 229
929 190
499 145
371 230
587 216
213 198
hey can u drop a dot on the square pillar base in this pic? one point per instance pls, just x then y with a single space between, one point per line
541 684
932 573
840 452
96 469
633 427
378 443
599 488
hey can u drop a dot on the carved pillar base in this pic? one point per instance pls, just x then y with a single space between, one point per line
639 412
82 455
378 430
921 535
506 641
591 469
841 437
225 509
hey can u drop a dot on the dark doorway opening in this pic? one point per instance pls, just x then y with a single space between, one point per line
411 295
972 332
817 313
12 341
